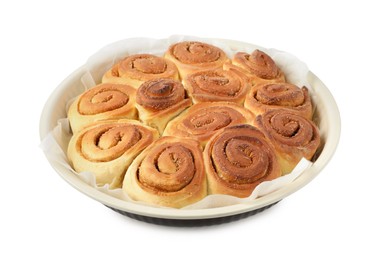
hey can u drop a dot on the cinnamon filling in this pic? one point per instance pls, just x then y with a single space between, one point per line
239 157
215 85
160 94
259 64
168 168
108 142
195 52
288 128
106 97
280 94
141 63
149 65
209 120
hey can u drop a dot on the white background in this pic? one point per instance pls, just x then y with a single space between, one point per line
335 216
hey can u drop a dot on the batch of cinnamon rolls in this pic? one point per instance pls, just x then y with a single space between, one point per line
171 130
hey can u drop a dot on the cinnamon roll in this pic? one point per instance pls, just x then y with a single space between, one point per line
204 119
160 100
170 173
107 148
258 66
217 85
269 96
237 159
104 101
191 56
293 136
136 69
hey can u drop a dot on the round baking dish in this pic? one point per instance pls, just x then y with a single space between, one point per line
328 118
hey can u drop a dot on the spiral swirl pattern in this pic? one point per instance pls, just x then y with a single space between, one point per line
104 101
196 52
293 136
168 169
280 95
258 67
108 142
170 173
160 94
143 63
257 63
217 85
103 98
237 159
138 68
202 120
269 96
107 148
158 101
190 56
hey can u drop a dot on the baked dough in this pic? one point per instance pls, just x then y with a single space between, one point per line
201 121
170 173
158 101
237 159
192 56
217 85
104 101
270 96
292 136
258 67
136 69
107 148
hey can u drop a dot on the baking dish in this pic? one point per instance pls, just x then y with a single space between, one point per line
326 115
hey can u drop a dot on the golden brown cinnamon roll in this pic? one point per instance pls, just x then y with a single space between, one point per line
107 148
217 85
170 173
237 159
269 96
202 120
258 66
191 56
136 69
104 101
160 100
293 136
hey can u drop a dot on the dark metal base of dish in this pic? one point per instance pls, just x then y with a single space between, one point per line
192 222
